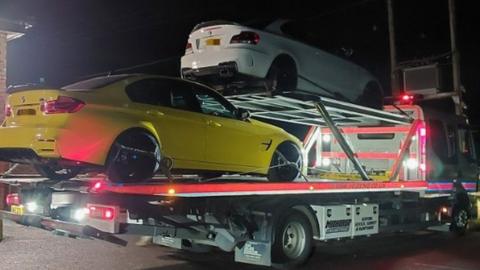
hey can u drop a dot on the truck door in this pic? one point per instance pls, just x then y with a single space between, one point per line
467 159
442 162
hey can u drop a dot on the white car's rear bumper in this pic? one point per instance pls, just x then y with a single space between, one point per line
237 60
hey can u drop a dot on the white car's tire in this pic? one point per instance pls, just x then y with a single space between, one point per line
282 75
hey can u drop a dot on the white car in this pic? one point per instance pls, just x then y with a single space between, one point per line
227 54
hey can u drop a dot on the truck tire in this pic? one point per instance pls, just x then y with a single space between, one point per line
125 165
460 218
292 245
280 171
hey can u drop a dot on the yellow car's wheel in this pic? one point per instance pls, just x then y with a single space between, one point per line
286 164
57 173
134 157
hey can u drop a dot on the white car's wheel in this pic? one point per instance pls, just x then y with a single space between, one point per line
282 75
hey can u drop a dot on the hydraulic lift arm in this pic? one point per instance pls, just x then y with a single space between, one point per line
341 140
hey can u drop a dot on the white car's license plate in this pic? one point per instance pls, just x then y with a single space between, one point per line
212 42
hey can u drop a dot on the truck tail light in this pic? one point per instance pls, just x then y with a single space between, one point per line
188 48
13 199
246 37
8 110
62 104
101 212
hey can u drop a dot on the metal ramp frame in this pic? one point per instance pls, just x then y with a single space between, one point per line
301 109
311 110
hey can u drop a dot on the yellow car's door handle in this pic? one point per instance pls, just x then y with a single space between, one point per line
155 113
213 123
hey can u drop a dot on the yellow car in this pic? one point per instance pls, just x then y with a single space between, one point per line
132 126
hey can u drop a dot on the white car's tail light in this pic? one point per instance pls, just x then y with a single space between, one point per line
62 105
188 48
246 37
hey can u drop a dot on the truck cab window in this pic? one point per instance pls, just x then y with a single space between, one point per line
466 146
443 141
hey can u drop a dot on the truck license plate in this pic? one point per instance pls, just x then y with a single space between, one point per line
17 209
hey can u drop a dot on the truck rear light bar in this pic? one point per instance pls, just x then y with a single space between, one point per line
13 199
101 212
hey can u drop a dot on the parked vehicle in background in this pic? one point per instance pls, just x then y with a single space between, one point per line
237 59
125 125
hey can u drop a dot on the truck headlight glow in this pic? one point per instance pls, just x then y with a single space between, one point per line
326 138
31 206
80 214
412 163
326 162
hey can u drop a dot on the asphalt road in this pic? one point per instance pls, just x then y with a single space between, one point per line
32 248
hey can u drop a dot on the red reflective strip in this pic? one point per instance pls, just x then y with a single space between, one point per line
370 130
231 188
440 186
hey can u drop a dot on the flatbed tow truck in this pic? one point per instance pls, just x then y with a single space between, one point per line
405 168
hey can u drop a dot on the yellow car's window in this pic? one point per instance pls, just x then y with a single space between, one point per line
212 106
150 91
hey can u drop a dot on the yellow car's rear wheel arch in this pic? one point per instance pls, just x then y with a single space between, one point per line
133 157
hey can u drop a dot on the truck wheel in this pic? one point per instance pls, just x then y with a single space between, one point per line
460 218
293 240
133 157
286 164
57 173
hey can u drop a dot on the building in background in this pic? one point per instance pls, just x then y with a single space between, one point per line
9 30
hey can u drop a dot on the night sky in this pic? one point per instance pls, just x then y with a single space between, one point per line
71 40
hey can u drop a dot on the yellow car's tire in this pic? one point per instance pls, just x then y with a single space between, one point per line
59 174
134 157
286 164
